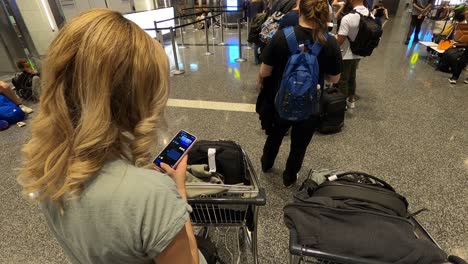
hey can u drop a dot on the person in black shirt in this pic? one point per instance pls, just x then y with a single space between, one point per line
312 26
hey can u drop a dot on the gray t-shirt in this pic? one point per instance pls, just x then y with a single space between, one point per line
421 3
124 215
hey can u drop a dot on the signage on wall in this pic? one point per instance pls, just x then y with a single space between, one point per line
231 5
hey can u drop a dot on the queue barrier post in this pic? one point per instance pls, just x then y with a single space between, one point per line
240 59
207 53
249 47
212 29
182 44
157 33
177 71
222 29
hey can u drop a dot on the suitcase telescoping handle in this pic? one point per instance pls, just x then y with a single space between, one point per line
386 185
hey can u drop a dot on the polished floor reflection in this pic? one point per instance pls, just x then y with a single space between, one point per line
409 127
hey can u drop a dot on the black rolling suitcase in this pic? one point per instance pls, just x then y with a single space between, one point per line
333 111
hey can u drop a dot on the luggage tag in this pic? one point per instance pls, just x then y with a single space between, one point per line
212 159
332 178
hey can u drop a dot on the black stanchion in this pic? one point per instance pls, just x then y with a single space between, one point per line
156 31
177 71
182 44
248 31
240 59
212 28
207 53
221 23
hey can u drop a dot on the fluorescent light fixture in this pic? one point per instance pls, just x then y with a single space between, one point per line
51 23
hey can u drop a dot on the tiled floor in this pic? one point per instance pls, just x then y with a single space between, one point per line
410 127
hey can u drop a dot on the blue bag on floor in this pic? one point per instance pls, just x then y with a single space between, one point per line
9 111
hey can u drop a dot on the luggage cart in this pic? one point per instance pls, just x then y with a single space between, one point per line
301 254
237 207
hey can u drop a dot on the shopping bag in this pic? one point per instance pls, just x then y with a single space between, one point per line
445 44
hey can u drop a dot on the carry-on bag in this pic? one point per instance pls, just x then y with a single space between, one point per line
333 111
356 216
229 159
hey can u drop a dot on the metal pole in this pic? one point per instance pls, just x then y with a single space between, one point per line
156 31
212 28
240 59
177 71
182 44
222 29
248 31
207 53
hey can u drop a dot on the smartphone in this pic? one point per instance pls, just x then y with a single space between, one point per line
176 149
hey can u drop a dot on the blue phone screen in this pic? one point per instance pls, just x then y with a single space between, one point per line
175 149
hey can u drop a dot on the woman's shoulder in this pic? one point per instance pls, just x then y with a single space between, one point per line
127 179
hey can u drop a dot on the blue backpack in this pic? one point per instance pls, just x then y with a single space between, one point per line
299 93
9 111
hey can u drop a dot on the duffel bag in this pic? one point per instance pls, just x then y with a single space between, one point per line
9 111
229 159
354 214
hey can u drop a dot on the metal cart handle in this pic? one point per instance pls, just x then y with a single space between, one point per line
260 200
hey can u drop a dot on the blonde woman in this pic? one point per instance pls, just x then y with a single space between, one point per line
105 88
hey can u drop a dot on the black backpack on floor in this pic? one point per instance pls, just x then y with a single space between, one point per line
368 36
333 104
23 86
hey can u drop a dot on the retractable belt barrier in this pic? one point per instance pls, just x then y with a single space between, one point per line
172 30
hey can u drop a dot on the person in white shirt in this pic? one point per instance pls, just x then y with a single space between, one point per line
348 30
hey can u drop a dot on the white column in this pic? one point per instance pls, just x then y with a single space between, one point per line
40 22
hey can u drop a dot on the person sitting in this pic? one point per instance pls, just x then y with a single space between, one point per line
6 90
27 84
458 66
88 163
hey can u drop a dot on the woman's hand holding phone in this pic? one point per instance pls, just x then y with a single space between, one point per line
178 174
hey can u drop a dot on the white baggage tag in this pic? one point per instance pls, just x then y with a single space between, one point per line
212 159
332 178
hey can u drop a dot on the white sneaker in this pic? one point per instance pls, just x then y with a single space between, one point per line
350 105
26 109
452 81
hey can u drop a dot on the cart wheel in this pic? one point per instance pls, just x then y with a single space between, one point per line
456 260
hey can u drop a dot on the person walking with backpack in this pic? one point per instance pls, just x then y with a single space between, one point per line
419 11
355 44
295 64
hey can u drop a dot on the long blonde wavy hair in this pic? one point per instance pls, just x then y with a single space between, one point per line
105 86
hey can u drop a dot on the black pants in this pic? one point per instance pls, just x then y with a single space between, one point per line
459 65
301 135
415 26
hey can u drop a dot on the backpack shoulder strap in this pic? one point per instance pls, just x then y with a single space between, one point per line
317 47
293 45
